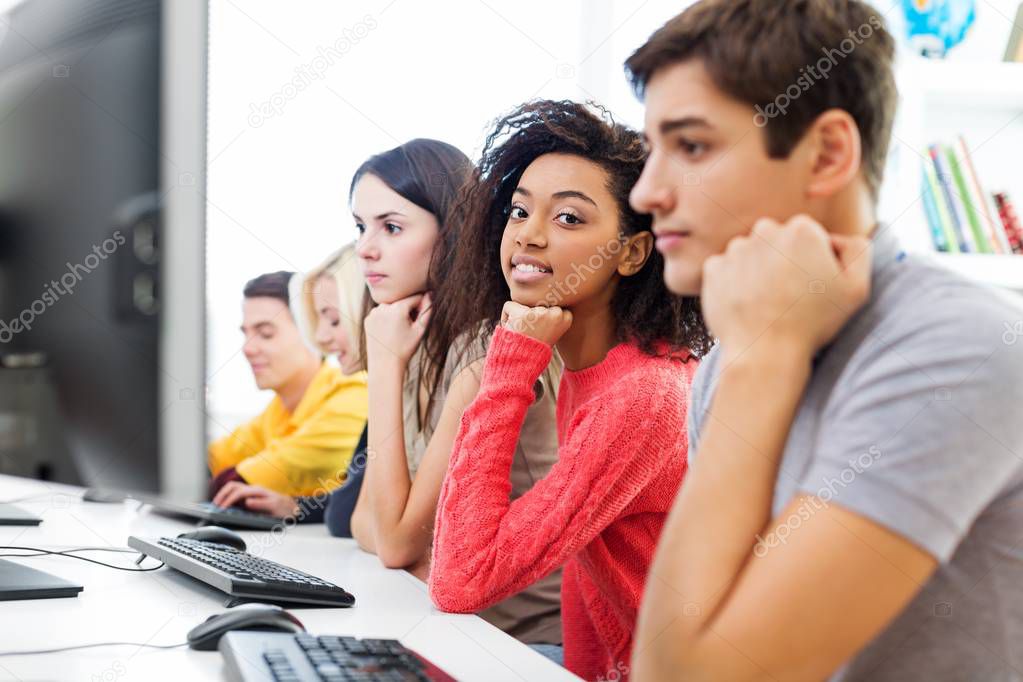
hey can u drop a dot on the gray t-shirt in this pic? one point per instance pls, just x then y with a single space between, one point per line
913 418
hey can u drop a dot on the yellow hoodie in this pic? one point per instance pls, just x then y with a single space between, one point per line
305 452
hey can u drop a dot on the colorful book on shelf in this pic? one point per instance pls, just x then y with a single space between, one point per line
990 224
969 207
1010 220
933 221
945 182
941 216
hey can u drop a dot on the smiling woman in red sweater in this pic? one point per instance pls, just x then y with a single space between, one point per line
555 257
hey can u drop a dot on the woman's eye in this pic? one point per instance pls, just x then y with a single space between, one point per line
517 213
361 228
392 228
570 218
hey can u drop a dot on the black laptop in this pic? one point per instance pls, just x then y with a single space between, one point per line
16 516
21 582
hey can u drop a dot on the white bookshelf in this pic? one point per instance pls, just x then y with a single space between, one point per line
1002 271
939 100
965 85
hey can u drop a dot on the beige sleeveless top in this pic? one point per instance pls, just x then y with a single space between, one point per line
534 615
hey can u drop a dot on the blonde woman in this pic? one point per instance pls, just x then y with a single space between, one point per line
329 306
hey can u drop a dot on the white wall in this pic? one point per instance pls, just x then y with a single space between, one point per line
278 185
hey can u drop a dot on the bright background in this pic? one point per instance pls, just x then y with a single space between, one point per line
278 185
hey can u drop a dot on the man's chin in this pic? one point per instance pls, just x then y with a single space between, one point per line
264 383
683 280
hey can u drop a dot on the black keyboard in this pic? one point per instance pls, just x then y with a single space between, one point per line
241 574
285 657
236 516
211 514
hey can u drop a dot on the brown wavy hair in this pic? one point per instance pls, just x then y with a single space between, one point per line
471 286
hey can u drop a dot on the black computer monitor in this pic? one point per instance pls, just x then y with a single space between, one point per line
102 157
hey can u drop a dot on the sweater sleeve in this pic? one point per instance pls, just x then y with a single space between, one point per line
244 441
487 548
336 510
310 458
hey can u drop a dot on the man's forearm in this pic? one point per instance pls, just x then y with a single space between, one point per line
725 501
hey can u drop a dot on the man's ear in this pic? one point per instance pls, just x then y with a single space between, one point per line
635 252
836 153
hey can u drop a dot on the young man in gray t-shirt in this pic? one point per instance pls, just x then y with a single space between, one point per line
854 505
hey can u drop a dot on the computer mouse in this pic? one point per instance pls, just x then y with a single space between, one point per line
206 635
216 534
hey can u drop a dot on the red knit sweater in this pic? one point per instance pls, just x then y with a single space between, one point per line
599 512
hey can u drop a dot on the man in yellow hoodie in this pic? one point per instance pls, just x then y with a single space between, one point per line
303 441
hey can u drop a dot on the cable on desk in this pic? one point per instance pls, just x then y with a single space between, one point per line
123 550
70 554
90 646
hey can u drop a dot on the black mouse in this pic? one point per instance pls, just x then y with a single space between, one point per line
216 534
206 635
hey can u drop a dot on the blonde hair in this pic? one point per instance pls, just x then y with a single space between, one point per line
343 267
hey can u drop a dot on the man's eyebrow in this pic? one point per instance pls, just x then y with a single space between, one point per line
681 123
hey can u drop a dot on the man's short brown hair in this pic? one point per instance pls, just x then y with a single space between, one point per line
270 285
792 60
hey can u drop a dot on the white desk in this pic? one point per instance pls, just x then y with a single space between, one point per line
159 607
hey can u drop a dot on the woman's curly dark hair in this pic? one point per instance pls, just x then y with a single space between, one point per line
470 282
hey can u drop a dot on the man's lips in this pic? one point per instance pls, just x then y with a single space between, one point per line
670 239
